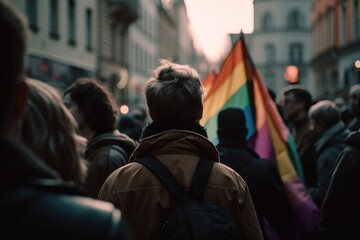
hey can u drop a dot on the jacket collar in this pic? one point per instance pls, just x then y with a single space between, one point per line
354 139
158 127
176 142
330 134
108 139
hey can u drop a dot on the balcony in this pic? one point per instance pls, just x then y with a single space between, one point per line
125 11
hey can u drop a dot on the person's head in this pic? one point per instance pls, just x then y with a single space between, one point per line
354 99
297 102
13 90
92 105
130 126
323 115
174 93
49 129
139 114
232 123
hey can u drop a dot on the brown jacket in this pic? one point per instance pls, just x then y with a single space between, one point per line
145 202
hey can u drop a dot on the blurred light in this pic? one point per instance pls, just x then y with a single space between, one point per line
291 74
44 67
124 109
357 64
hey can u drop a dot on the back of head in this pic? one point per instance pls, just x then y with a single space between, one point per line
174 93
49 129
232 123
97 104
301 95
12 60
355 99
325 112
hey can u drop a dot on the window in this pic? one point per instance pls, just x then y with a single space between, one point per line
113 41
295 20
356 20
72 22
31 11
270 78
343 22
54 19
330 26
296 52
269 53
267 22
88 29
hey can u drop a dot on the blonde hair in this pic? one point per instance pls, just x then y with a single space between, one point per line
50 131
174 93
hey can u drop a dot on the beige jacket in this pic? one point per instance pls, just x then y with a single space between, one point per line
146 203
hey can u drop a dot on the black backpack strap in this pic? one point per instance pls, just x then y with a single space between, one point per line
201 177
164 176
198 183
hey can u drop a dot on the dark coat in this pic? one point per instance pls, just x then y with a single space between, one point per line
328 149
36 204
105 153
305 140
340 213
264 182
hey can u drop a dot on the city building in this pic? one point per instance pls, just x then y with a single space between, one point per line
143 49
115 19
118 42
62 44
336 46
280 44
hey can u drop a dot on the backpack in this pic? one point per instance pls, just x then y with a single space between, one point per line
193 218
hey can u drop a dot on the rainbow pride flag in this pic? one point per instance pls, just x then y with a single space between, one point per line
238 84
208 81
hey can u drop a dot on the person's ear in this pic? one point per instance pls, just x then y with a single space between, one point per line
21 100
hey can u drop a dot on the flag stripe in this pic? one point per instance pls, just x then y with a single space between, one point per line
215 101
233 59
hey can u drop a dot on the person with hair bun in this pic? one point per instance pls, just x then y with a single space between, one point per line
176 138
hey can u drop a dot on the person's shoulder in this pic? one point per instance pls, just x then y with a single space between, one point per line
70 214
227 177
123 176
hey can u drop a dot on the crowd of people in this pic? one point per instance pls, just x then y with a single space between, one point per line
69 165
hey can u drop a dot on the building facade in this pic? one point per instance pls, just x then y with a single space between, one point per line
144 49
281 43
62 40
118 42
336 41
115 19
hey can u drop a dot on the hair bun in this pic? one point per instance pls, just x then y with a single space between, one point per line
166 75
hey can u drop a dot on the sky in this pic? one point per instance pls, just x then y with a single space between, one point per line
212 20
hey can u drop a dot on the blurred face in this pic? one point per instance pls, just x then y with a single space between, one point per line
355 101
317 127
291 106
75 111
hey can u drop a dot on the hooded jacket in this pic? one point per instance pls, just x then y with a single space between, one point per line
145 201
